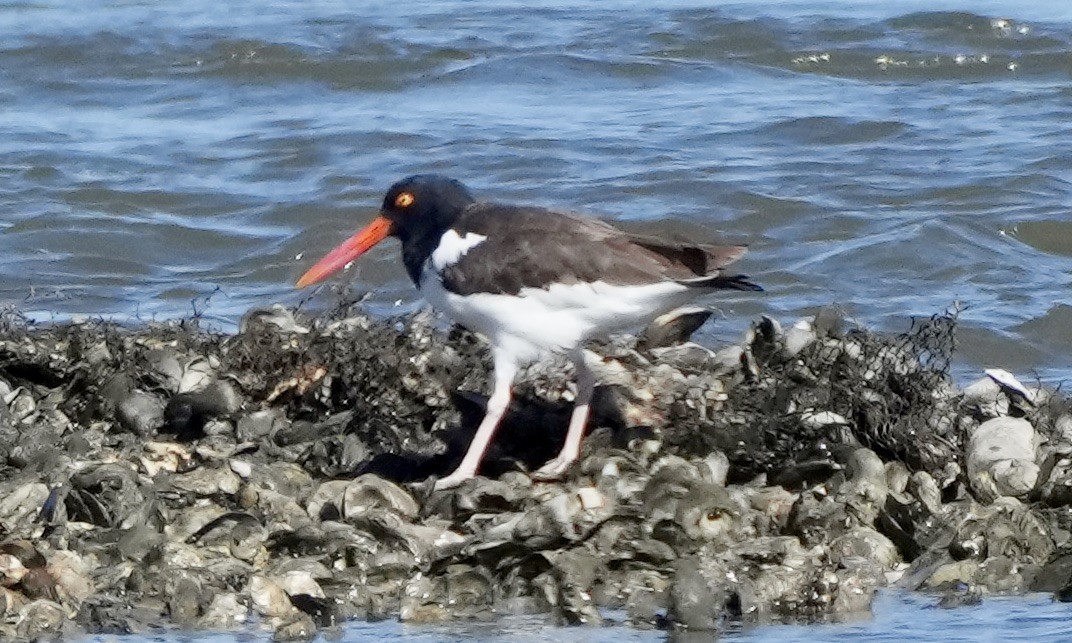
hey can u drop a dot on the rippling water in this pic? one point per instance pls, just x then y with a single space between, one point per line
899 618
159 158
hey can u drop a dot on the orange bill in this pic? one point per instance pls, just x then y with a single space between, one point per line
350 249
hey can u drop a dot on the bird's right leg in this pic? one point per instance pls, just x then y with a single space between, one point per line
505 371
571 450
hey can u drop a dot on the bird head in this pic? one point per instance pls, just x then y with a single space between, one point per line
417 206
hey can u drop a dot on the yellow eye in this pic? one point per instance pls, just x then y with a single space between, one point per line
404 200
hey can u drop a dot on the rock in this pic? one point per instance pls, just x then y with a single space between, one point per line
12 570
184 592
1011 529
856 588
674 327
814 419
40 619
165 456
163 365
423 601
799 336
864 546
300 582
866 490
197 374
922 486
570 591
567 516
778 579
469 588
1002 575
258 425
21 404
478 496
1010 386
337 499
1062 429
369 492
140 412
952 575
240 533
10 602
299 627
224 612
961 596
897 476
1001 458
986 399
644 608
715 468
207 481
20 504
707 512
695 599
269 598
687 357
276 317
72 575
241 468
774 505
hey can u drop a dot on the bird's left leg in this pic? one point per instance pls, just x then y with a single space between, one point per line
571 450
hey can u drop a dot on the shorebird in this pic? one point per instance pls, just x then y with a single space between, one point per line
531 280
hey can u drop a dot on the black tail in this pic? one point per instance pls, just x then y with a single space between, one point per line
735 282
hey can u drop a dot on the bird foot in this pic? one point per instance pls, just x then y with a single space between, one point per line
453 480
553 470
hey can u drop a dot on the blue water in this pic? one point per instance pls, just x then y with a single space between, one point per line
162 159
897 617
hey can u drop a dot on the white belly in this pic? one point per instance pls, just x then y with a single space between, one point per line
559 318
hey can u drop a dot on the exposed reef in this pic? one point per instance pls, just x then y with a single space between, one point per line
165 476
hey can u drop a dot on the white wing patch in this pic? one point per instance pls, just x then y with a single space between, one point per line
453 247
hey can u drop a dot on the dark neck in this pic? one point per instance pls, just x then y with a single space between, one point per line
415 252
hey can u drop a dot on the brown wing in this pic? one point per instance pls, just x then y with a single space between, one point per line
701 260
534 247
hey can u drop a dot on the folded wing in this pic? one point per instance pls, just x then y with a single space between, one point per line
533 248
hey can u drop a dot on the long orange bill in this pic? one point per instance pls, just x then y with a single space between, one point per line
350 249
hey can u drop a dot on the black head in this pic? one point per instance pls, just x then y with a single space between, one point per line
417 210
424 204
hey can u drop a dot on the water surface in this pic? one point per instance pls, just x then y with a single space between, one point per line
898 617
158 159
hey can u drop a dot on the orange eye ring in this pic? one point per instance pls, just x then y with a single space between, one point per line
404 200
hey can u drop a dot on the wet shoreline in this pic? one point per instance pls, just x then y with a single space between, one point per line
164 476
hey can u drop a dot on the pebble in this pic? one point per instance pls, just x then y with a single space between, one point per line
1001 457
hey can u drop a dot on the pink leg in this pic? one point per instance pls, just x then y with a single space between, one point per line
505 370
571 450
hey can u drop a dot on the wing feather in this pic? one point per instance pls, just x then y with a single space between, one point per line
529 247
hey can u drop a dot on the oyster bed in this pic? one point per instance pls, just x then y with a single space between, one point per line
165 476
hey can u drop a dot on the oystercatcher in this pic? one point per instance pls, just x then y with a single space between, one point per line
531 280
